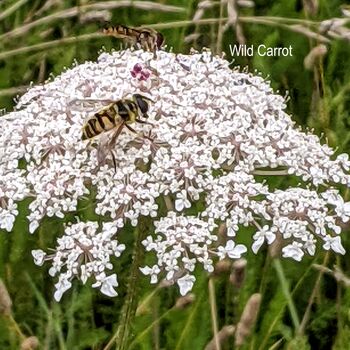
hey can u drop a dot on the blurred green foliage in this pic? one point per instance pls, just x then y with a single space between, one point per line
87 320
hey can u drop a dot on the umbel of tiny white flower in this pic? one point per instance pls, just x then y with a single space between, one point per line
211 130
84 253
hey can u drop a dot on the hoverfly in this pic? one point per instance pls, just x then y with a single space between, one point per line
146 38
117 115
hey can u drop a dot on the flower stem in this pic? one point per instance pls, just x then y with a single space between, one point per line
270 172
10 10
15 327
315 290
285 288
149 328
213 312
122 336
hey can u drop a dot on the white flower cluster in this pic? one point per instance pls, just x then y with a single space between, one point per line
181 242
211 131
84 253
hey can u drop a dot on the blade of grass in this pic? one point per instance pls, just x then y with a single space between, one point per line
13 90
74 11
285 288
9 11
269 21
214 313
147 330
121 338
315 290
51 320
189 322
53 43
57 316
49 44
268 334
39 297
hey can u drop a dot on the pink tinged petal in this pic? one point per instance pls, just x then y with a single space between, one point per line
145 75
137 68
53 271
232 250
257 244
119 250
311 248
221 253
62 286
8 222
185 284
145 270
154 278
231 232
39 256
33 226
108 285
346 213
293 251
334 243
170 275
237 251
179 204
270 237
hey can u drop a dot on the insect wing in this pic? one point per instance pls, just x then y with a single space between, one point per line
121 32
88 104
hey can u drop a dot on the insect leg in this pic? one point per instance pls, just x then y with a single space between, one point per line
131 129
112 143
114 161
143 122
115 136
138 134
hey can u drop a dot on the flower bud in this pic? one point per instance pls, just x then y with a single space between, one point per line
222 336
5 300
237 276
222 267
30 343
314 56
248 318
311 7
183 302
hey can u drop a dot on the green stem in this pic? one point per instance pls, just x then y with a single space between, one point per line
122 336
148 329
285 288
15 327
213 313
54 43
315 290
49 44
101 5
9 11
278 316
270 172
14 90
190 321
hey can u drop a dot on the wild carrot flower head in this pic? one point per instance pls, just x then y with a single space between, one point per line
211 131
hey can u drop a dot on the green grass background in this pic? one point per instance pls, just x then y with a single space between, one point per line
85 319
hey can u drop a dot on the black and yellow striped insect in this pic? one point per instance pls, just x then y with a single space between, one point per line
146 38
117 115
